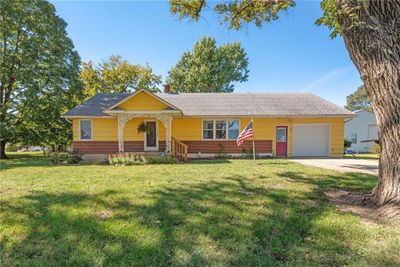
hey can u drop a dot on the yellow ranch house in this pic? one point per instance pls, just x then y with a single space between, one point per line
202 125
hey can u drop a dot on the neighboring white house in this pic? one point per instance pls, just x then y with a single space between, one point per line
360 128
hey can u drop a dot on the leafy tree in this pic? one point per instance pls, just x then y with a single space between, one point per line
359 100
115 75
39 118
371 32
39 73
209 68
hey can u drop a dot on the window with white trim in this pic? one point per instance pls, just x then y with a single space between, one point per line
208 129
220 129
85 129
233 129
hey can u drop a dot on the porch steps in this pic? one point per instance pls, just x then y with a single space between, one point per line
179 150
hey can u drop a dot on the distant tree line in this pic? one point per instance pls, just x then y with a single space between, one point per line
359 100
207 68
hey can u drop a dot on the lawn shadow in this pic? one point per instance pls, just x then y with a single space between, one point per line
360 182
261 161
11 163
196 225
209 161
361 167
35 161
230 222
273 161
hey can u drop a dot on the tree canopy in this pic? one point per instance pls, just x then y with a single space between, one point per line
39 74
209 68
359 100
233 13
115 75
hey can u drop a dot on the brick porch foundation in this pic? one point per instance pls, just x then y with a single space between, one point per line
212 146
228 146
110 147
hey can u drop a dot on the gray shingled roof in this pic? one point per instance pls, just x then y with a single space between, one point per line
256 104
96 105
228 104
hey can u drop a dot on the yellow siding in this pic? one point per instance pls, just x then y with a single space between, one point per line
102 129
75 129
107 130
130 130
264 129
190 129
143 102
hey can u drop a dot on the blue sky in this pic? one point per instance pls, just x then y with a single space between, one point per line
291 54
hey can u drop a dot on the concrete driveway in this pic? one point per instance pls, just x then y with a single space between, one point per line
342 165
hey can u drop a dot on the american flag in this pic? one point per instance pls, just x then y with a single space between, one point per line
246 133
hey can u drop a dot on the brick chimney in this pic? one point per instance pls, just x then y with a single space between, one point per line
167 88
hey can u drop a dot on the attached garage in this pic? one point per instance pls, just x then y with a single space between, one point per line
311 140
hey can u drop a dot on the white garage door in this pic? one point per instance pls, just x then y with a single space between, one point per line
311 140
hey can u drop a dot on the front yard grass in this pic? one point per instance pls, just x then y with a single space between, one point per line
371 156
215 213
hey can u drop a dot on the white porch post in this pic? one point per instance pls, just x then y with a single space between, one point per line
122 119
121 126
166 119
168 136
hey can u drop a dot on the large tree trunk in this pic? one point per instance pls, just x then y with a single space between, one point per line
3 149
373 41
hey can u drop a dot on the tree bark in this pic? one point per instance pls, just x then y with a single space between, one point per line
373 42
3 149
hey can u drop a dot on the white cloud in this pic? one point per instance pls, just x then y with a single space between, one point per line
330 76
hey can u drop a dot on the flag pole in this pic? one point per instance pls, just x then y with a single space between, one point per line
254 148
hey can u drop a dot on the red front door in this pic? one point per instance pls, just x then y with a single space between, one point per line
281 141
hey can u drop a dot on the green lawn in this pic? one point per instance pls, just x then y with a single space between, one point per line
363 156
215 213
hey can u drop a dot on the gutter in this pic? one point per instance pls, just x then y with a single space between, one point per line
348 116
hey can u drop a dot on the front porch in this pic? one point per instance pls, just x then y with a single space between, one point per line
158 138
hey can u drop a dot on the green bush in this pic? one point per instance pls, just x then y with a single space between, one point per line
126 159
161 160
12 147
57 158
347 143
134 159
73 157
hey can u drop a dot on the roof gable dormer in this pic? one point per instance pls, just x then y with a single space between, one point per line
142 100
